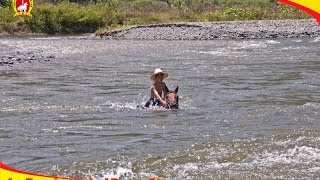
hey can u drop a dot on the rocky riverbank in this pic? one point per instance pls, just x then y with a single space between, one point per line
258 29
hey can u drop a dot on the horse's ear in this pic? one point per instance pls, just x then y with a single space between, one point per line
176 90
166 88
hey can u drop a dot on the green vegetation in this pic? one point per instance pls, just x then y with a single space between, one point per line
84 16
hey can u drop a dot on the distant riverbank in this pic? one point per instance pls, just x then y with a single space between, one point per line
220 30
66 18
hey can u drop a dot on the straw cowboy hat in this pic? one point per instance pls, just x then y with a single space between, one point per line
158 71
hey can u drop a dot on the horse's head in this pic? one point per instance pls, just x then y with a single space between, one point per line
172 99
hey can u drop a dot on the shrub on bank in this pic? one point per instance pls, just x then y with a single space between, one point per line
67 18
8 23
255 13
233 14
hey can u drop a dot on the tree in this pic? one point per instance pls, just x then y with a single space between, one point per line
5 3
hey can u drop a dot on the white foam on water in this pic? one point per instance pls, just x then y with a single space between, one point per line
317 39
313 105
119 172
288 142
189 169
218 52
8 99
185 168
8 109
234 49
291 48
217 166
283 143
85 127
297 40
273 42
314 169
47 38
296 155
131 106
32 107
120 105
185 103
251 44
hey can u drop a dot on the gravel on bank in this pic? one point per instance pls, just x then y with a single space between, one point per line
257 29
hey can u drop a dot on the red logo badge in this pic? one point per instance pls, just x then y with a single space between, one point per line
22 7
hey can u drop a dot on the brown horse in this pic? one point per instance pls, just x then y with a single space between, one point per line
171 98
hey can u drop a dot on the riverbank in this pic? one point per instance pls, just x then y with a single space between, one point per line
66 18
256 29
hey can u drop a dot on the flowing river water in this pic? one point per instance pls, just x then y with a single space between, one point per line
249 109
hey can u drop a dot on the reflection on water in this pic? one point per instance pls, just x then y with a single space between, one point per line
249 109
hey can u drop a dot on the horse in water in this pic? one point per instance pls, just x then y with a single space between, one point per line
171 98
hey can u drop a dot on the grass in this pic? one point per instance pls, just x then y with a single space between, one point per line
73 18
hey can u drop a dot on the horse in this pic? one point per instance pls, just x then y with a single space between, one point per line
23 8
171 98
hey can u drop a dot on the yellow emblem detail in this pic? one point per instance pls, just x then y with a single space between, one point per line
312 7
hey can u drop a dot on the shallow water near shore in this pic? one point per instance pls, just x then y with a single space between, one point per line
249 109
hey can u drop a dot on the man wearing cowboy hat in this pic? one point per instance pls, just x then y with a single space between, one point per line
158 89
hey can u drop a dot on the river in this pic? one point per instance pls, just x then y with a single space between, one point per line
249 109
